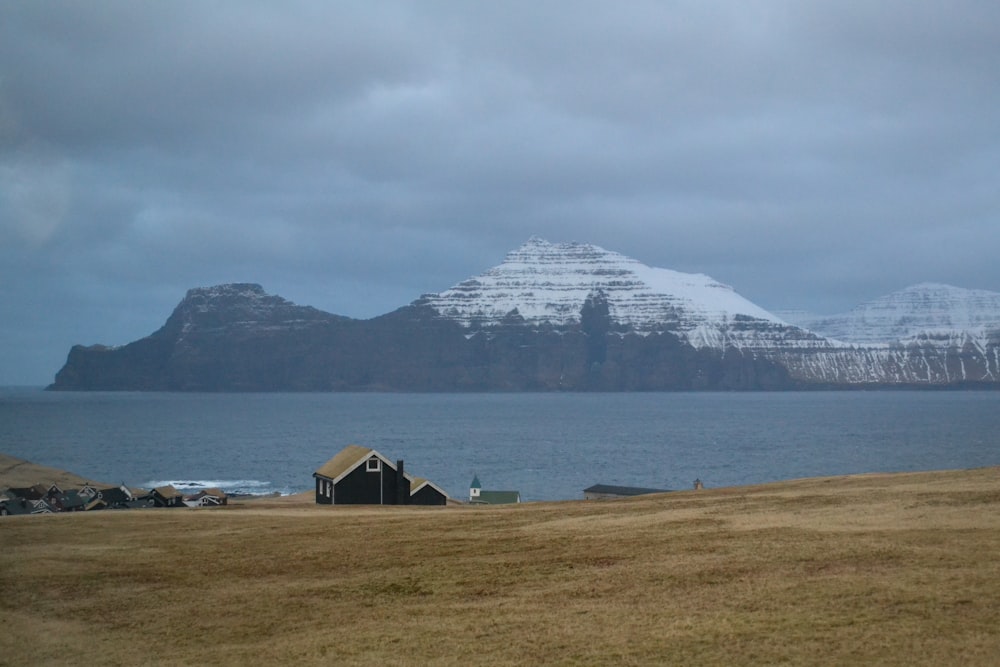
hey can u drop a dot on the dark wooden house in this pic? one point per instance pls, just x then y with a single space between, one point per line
361 476
115 496
36 492
167 496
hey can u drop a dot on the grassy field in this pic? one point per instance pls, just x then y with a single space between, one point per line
873 569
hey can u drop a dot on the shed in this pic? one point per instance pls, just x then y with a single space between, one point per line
425 492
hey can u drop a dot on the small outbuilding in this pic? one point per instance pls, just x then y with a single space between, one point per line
426 492
605 491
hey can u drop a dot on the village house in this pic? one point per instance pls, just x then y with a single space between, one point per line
35 492
207 498
116 496
77 501
167 496
362 476
41 499
479 496
20 505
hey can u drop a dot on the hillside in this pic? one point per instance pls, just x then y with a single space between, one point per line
871 569
16 472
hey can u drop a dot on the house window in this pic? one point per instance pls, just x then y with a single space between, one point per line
374 465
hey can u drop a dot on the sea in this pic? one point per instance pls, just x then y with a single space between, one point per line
548 446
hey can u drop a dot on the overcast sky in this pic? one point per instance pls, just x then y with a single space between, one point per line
355 155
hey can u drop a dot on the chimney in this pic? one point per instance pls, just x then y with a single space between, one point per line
402 485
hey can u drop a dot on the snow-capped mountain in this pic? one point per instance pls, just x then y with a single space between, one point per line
552 317
547 284
543 283
925 312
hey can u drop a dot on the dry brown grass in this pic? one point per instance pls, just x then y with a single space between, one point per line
20 473
884 569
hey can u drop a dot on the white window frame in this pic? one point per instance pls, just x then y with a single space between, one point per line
377 467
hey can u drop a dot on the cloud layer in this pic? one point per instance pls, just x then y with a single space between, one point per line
352 156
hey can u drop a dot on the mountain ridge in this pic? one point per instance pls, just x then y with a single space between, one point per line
924 309
569 316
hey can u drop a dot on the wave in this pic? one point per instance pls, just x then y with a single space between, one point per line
243 487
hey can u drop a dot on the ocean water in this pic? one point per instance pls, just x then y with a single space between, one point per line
547 446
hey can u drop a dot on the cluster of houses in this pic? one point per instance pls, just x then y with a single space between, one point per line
355 476
42 499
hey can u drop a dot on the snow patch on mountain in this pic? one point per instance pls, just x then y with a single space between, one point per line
927 334
547 284
932 313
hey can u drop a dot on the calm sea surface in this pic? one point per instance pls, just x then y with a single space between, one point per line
547 446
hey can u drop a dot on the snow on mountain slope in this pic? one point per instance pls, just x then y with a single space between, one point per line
928 312
544 283
547 283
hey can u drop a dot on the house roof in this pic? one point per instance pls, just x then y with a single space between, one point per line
114 495
418 483
622 490
167 491
476 484
348 459
72 498
28 492
498 497
95 502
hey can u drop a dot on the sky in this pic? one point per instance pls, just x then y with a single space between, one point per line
354 155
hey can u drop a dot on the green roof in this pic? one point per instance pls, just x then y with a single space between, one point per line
476 484
498 497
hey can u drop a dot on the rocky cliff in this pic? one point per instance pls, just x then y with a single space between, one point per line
550 317
238 338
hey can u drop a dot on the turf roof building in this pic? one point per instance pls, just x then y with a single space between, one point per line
362 476
167 496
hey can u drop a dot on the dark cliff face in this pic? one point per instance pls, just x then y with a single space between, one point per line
238 338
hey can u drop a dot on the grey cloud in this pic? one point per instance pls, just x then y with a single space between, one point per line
355 155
